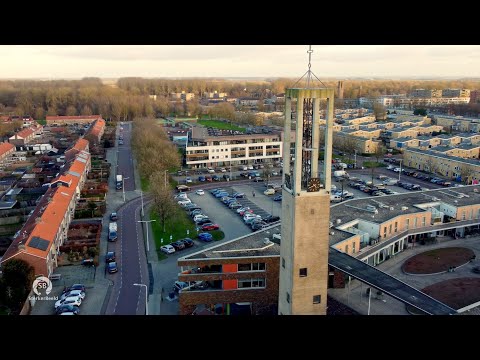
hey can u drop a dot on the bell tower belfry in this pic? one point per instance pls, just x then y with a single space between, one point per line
305 201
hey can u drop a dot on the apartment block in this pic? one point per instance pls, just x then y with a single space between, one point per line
452 167
225 148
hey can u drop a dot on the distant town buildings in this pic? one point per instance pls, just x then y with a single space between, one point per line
182 96
71 120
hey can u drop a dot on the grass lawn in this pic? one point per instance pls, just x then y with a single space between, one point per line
42 122
373 164
176 227
220 125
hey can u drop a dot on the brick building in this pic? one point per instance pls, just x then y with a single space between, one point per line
242 276
71 120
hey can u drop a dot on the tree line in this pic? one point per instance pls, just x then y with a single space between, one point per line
129 98
155 155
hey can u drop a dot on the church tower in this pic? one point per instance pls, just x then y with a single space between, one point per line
305 201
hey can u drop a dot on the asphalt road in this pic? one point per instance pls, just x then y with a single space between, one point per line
131 260
125 159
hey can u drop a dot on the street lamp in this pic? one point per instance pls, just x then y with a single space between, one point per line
123 187
141 195
146 296
341 196
400 172
147 221
355 157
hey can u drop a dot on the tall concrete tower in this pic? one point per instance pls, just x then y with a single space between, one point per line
340 90
305 204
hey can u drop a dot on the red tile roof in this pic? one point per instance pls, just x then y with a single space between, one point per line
24 133
5 147
97 128
47 217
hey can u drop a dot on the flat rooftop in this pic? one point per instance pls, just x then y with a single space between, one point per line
388 207
253 244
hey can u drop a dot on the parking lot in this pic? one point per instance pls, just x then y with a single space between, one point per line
96 290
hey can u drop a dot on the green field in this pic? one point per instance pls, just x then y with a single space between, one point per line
177 228
220 125
42 122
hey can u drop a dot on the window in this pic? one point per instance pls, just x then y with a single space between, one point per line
390 229
424 220
258 283
346 249
283 259
407 223
244 283
385 232
396 226
252 267
303 272
353 248
463 215
317 299
288 298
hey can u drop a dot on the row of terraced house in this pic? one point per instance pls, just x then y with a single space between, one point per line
39 240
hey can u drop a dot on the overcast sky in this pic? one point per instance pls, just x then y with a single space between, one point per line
76 61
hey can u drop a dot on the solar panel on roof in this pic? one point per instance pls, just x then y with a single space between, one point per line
74 173
38 243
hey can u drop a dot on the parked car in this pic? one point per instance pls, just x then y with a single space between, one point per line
71 300
202 179
188 180
211 170
113 216
67 308
258 225
200 192
187 242
88 262
110 257
277 198
226 177
208 178
203 221
75 287
167 249
205 237
216 178
112 267
275 173
178 245
271 218
210 226
269 192
73 293
239 195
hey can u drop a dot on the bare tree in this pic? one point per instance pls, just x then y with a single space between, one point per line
379 152
466 173
379 111
430 166
349 145
163 203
